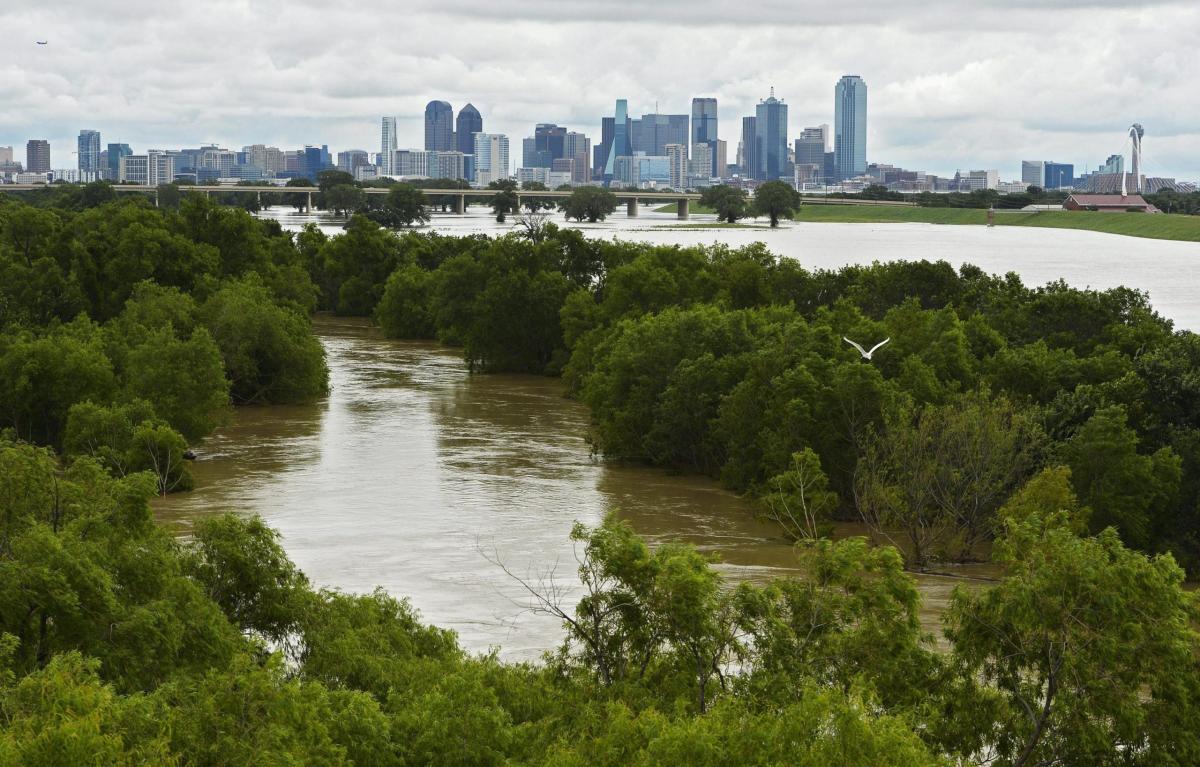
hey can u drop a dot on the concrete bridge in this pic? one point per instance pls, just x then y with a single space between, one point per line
631 199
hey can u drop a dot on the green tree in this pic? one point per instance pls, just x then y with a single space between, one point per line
729 202
404 206
269 351
184 380
799 499
589 202
298 200
504 202
404 310
126 439
1088 651
243 569
776 200
533 203
345 199
851 620
42 376
1123 488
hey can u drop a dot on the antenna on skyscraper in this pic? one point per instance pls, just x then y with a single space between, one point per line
772 91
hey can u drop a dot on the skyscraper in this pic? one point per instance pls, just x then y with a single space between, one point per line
704 126
600 151
115 153
1033 172
677 164
578 148
751 148
721 159
653 132
439 126
466 125
621 146
1059 174
850 126
811 148
771 119
89 155
491 157
387 144
37 156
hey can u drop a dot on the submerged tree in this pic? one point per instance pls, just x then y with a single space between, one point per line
589 202
729 202
776 200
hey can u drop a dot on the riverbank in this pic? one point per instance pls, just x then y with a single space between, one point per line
1161 226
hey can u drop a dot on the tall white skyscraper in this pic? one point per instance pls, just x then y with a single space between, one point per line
387 144
677 163
491 157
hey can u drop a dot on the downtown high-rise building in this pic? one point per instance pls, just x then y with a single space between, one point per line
114 154
439 127
810 150
721 159
1033 172
1059 175
621 145
702 163
89 155
704 127
850 127
677 164
387 144
466 125
751 148
351 160
654 132
771 125
491 158
270 160
578 149
37 156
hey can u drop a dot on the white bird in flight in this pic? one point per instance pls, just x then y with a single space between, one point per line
866 355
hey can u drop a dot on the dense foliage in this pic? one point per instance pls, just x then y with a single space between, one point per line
127 331
1055 430
119 645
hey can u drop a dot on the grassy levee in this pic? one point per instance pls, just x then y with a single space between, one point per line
1159 226
693 207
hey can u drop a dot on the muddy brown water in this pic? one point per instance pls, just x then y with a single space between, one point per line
415 476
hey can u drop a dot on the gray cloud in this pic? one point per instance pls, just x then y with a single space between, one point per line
952 84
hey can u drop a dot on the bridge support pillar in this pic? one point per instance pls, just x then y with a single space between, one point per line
258 199
631 209
681 209
460 204
308 204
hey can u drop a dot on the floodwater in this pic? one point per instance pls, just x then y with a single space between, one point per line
429 482
1163 268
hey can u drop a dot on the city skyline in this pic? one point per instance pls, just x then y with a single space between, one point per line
938 105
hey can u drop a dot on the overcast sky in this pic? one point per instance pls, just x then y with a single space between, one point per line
951 83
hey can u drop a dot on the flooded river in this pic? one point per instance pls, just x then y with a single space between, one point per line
416 477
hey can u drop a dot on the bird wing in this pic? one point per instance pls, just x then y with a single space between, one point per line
881 343
861 350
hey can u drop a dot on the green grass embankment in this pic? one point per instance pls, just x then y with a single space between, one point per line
693 207
1160 226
